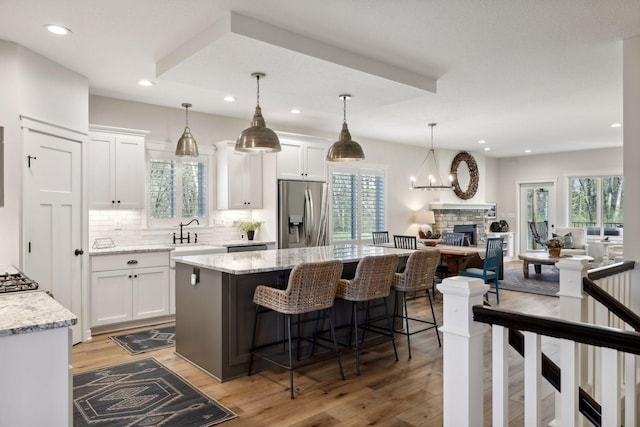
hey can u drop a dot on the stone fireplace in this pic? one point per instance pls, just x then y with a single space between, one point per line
449 215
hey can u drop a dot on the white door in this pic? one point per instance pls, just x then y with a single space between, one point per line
537 206
52 218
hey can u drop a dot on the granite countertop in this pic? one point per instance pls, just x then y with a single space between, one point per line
170 247
131 249
284 259
25 312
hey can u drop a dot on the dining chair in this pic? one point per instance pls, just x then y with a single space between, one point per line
453 239
417 277
491 269
380 237
312 287
372 281
405 242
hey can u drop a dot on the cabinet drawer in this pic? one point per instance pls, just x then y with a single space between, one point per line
132 260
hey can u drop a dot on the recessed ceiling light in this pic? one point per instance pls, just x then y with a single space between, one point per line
487 148
527 151
229 98
296 111
57 29
145 83
482 141
616 125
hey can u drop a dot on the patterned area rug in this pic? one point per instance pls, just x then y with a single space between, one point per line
141 393
546 283
151 339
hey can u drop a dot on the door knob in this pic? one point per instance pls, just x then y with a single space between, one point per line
78 252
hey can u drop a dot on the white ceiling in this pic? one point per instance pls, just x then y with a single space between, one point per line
543 75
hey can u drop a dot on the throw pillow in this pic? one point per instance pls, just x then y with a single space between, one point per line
568 241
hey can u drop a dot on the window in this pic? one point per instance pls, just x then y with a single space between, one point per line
357 203
177 189
597 203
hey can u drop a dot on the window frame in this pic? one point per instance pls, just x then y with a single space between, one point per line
599 178
166 151
358 170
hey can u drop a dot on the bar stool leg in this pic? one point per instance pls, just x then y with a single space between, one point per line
435 323
406 318
393 341
288 316
253 339
335 342
354 321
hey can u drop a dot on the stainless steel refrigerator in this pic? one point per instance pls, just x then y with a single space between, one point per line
302 214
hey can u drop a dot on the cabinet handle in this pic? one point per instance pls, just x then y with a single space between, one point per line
118 201
113 202
129 276
78 252
135 275
132 261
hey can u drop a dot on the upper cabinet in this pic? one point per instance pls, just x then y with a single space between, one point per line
239 178
302 160
115 168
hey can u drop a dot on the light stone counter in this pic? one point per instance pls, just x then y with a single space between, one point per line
131 249
284 259
31 311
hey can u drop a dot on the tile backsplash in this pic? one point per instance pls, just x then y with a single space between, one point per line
126 228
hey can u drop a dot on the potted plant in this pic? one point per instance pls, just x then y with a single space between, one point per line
248 226
555 246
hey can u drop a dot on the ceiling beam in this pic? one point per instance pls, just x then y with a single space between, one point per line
244 26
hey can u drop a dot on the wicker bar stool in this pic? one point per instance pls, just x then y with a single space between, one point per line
372 280
417 276
312 287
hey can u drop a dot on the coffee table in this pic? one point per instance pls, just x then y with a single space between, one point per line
537 259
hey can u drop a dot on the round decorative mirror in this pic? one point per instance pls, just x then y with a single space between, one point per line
464 171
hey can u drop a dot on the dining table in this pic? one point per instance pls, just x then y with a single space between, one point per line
458 258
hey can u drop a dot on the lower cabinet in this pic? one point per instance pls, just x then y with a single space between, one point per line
139 291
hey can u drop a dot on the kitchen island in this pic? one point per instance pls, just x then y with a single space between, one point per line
214 300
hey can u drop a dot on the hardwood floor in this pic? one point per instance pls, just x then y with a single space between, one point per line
387 393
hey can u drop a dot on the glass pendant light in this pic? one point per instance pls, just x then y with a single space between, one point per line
258 137
434 181
187 146
345 149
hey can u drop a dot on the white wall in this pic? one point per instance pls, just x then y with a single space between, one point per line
167 124
559 166
34 86
631 101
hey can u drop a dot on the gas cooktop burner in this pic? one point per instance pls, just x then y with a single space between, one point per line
15 282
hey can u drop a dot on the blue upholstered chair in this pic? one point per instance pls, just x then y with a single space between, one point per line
491 268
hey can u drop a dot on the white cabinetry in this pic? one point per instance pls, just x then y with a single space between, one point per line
127 287
239 178
507 244
115 168
302 160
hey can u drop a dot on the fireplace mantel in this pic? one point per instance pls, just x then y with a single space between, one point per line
459 206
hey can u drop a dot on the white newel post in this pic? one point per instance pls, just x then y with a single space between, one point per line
463 357
573 306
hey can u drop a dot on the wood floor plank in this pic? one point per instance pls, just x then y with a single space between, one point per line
387 393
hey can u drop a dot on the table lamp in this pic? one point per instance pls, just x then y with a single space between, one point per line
425 219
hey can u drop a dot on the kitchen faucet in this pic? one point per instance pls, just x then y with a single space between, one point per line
188 238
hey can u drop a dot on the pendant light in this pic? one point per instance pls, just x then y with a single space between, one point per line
434 181
187 146
258 137
345 149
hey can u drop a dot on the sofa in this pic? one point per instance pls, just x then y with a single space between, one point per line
579 236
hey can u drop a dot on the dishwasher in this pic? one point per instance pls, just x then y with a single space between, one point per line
247 248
